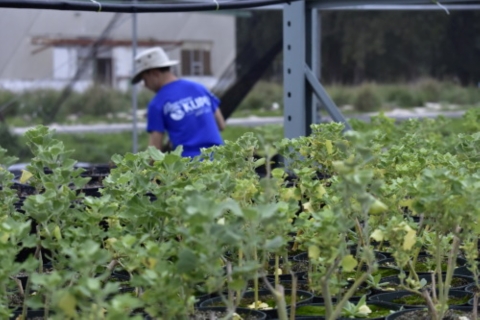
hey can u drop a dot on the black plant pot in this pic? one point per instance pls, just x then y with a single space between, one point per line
287 284
463 271
428 278
91 191
259 315
96 171
389 298
304 256
301 257
31 314
288 276
400 313
471 288
199 299
306 298
390 262
354 298
23 190
369 303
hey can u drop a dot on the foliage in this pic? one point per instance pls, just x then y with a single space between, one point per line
177 228
367 99
394 46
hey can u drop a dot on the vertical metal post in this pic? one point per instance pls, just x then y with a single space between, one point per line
312 61
317 63
294 55
134 87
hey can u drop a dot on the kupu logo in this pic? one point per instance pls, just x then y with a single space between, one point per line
178 109
176 112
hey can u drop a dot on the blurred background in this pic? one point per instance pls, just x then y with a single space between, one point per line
70 70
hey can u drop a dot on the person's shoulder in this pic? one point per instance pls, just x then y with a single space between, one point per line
191 84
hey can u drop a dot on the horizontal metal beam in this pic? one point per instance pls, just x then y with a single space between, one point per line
418 7
325 4
102 6
383 7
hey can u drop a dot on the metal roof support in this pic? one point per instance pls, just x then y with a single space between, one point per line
301 35
301 54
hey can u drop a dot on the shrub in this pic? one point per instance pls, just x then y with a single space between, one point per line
99 101
8 104
429 89
367 98
39 104
12 143
473 95
455 95
262 96
341 95
402 96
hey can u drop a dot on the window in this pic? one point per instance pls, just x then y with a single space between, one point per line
96 65
196 62
103 71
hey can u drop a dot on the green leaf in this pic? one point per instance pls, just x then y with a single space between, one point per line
349 263
313 252
328 145
67 304
186 261
377 235
423 282
26 175
259 162
274 244
278 173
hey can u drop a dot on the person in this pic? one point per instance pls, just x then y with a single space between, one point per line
184 109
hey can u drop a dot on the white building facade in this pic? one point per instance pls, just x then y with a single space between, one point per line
53 49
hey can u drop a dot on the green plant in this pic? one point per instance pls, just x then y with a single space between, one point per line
262 96
341 95
429 89
367 99
403 97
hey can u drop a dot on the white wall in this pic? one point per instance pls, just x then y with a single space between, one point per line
22 62
64 63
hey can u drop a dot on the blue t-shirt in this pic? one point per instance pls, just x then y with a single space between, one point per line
185 109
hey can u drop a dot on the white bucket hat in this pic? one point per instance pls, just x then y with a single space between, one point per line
151 59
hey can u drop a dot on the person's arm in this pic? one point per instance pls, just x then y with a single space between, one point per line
219 119
156 140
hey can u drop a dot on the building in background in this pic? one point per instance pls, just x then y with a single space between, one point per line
52 49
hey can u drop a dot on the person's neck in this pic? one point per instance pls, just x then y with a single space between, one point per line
168 78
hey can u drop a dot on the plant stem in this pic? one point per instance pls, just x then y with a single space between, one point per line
240 259
442 298
230 291
47 307
255 281
277 276
279 296
450 267
326 290
412 271
19 285
430 305
37 255
27 289
358 228
349 294
293 301
112 265
475 306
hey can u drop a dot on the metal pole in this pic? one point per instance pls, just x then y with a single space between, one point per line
294 83
134 87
